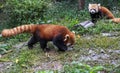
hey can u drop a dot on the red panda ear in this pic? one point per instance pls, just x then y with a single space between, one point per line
66 37
99 5
73 32
89 4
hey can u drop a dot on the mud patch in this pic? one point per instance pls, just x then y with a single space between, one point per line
4 66
55 65
49 63
103 57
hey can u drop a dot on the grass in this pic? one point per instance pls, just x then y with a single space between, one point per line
82 68
25 60
102 42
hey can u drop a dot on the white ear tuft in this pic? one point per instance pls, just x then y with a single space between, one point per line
89 4
66 37
99 5
73 32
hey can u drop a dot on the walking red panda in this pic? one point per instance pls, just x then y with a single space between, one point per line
97 11
61 36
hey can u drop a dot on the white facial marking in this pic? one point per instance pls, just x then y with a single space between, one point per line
70 47
68 44
92 11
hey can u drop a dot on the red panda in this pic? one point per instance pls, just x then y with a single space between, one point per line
61 36
98 11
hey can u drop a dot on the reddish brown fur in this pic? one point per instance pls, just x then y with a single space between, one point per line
104 11
116 20
50 31
18 30
107 12
46 31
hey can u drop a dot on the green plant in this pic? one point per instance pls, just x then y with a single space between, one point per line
25 11
46 71
81 68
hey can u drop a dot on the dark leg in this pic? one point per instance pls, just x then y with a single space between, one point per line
96 16
43 45
31 42
58 41
93 18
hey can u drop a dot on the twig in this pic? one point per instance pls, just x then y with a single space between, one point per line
4 60
8 51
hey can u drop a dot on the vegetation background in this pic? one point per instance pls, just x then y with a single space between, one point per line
63 12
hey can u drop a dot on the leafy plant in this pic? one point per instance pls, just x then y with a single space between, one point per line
81 68
25 11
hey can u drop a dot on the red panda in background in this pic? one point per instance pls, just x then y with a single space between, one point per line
61 36
97 11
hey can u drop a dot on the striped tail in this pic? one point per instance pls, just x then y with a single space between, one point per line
116 20
18 30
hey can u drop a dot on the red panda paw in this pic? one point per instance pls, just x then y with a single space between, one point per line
30 46
46 50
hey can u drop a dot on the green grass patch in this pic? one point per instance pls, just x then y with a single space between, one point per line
82 68
98 41
24 59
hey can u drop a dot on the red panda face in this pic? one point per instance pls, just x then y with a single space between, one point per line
69 40
93 8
